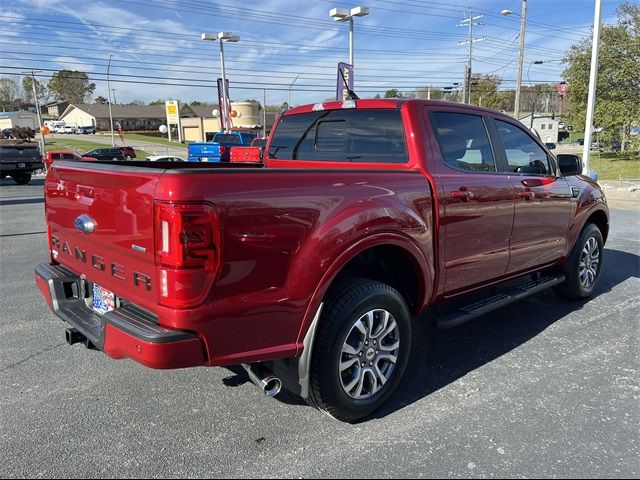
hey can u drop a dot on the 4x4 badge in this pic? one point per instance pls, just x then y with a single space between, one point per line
85 224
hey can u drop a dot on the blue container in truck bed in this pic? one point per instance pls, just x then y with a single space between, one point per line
218 149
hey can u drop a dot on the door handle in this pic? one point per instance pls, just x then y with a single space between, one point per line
465 195
527 195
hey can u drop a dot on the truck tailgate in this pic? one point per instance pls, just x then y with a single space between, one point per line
118 253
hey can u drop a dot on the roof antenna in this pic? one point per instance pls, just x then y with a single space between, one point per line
351 95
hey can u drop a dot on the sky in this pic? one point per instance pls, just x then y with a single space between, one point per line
287 48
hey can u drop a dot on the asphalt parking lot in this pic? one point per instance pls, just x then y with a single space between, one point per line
542 388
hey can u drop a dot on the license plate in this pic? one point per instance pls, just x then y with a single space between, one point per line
21 165
103 300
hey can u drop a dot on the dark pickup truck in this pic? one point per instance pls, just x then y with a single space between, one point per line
308 269
19 160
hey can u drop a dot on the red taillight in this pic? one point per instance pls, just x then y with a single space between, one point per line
187 252
224 151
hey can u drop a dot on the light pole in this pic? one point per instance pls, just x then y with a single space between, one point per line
113 140
291 85
593 77
344 14
223 37
523 25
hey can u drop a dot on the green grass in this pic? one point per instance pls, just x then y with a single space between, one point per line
613 166
81 146
132 137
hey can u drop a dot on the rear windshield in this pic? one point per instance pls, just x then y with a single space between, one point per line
226 138
341 136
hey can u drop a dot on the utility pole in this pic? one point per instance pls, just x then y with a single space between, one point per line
113 140
523 24
114 96
593 77
35 95
469 22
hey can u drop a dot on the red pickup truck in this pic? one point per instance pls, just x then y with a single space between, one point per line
307 270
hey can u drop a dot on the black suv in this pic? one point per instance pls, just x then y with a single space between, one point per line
104 154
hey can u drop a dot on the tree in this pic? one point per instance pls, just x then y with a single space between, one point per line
41 88
9 90
393 93
484 91
102 100
71 86
159 101
136 102
617 108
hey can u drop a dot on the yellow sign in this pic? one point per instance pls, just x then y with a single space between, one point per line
171 108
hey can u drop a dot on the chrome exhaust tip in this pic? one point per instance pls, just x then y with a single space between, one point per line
264 379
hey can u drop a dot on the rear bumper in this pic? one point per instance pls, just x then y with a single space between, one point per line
127 332
28 167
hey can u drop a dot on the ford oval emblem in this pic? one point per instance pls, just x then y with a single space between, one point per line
84 223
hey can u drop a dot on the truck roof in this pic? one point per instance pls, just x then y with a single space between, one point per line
380 103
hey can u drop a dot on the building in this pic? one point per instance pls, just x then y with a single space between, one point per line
198 122
203 125
130 117
20 118
54 109
546 127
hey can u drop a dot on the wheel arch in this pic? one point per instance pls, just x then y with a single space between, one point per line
365 259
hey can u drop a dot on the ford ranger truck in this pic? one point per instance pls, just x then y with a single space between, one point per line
308 269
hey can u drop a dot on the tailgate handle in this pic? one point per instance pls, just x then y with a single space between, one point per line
84 191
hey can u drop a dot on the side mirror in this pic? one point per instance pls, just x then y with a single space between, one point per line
261 154
569 164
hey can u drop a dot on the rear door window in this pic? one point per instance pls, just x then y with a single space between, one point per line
68 156
464 141
363 136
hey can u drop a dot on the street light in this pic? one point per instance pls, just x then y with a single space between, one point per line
344 14
113 140
222 37
523 24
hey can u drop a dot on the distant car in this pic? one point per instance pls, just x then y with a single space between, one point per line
128 152
550 145
67 129
105 154
52 156
85 130
164 158
595 147
581 141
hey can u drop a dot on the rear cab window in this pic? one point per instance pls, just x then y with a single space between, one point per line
227 138
346 135
464 142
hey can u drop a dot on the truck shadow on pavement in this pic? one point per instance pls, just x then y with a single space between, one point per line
440 357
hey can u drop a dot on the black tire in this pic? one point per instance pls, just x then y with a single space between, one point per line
344 307
22 178
573 288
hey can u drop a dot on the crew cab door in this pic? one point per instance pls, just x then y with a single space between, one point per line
543 205
476 200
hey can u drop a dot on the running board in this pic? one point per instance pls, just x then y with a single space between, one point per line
486 305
